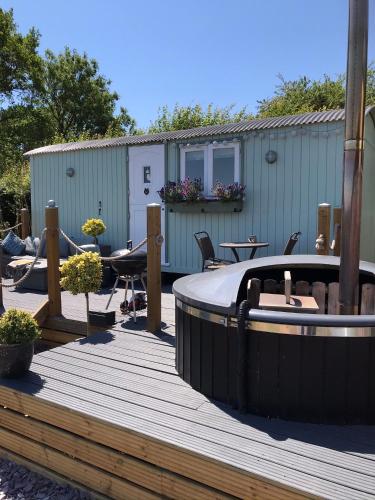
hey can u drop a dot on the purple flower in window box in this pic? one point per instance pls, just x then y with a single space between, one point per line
186 190
229 192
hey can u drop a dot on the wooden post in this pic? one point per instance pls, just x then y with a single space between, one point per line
324 226
25 221
53 258
337 231
154 242
1 277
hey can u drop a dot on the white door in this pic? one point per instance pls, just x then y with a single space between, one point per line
146 177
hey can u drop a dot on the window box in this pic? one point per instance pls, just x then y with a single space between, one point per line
206 206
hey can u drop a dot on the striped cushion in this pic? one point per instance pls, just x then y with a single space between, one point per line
13 245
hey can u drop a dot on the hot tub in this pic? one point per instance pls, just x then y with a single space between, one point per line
307 367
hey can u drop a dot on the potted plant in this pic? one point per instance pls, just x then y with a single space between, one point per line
18 332
94 228
82 274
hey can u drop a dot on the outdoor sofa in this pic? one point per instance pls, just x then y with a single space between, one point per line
13 248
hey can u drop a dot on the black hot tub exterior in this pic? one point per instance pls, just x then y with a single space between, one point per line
317 368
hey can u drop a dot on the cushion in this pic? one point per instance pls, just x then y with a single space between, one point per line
72 250
30 245
90 248
63 247
36 245
13 245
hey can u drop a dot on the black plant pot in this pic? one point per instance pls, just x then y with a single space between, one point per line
15 359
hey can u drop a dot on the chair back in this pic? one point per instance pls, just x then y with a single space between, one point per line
205 246
291 243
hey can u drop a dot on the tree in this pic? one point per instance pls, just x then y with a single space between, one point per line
82 274
20 63
79 99
20 81
304 95
184 117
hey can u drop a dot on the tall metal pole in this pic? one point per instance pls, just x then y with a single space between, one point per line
356 74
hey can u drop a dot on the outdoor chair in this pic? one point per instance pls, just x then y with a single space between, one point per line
291 243
129 269
209 261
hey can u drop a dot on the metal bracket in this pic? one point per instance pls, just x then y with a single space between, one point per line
159 239
353 144
320 242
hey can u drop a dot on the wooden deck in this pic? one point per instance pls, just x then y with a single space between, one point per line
110 413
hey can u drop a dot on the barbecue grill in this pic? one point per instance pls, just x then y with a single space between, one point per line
129 269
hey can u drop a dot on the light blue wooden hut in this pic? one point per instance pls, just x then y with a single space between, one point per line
116 178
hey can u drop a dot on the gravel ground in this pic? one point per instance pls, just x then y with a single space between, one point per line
19 483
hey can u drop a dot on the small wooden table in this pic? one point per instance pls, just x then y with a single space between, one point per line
244 244
298 303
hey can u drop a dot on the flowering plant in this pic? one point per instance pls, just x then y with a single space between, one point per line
192 190
94 228
82 274
171 192
230 192
186 190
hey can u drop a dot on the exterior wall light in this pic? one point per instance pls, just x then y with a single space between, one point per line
70 172
271 156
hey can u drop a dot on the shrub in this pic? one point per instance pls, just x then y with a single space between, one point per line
18 327
82 274
94 228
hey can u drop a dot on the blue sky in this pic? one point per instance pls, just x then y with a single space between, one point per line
163 52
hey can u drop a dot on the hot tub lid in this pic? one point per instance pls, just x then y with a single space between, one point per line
217 291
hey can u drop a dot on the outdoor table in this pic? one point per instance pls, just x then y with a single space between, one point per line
244 244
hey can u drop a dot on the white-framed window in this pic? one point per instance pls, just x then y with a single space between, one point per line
218 161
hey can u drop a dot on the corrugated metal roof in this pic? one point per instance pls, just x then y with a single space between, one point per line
230 128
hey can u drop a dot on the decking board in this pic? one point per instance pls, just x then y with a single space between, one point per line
114 405
176 459
114 372
178 424
124 466
236 447
136 392
128 367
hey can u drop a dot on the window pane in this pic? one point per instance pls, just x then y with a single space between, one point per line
223 165
194 165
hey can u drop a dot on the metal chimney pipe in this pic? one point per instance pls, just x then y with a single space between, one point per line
356 75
